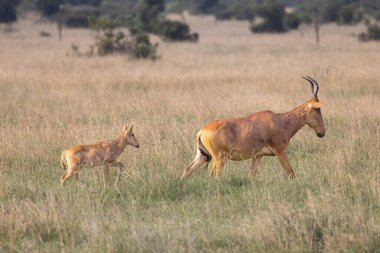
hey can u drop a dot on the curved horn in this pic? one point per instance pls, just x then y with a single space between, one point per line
311 83
316 87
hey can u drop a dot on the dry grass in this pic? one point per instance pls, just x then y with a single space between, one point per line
49 101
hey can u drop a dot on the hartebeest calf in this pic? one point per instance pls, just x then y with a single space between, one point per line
261 134
102 154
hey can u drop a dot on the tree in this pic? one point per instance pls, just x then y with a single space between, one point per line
8 12
148 13
314 9
84 2
346 15
205 6
48 8
273 13
240 10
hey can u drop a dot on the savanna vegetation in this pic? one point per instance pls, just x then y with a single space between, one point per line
51 99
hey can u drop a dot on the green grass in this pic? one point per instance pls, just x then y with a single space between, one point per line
50 101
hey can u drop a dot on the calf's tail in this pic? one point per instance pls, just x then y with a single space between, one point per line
63 158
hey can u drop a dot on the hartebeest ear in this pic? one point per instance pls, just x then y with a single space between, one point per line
315 104
130 129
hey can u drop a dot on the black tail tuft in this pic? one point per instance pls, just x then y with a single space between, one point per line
208 156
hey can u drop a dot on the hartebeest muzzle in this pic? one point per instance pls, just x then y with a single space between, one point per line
321 134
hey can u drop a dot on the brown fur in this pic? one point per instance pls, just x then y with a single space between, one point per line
101 154
261 134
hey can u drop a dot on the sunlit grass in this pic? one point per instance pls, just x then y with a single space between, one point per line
50 100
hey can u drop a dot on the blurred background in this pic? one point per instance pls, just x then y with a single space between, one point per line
141 17
75 71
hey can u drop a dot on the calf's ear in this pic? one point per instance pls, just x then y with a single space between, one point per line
125 128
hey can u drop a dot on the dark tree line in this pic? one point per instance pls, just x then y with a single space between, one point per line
149 15
142 15
8 12
51 7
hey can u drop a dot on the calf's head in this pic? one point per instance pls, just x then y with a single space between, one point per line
130 137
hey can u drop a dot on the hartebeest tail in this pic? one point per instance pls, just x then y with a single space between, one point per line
202 156
102 154
261 134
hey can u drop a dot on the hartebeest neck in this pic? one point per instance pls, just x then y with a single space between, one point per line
294 120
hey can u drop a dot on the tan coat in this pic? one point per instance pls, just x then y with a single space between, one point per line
261 134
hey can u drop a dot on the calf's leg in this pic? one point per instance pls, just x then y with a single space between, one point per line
120 167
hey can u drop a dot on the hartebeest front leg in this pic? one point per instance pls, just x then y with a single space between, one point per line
285 164
120 167
255 165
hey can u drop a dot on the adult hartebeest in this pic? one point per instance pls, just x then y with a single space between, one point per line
102 154
261 134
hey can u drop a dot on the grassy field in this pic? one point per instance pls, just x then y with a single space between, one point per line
50 100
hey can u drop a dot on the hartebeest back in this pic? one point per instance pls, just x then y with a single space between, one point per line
102 154
261 134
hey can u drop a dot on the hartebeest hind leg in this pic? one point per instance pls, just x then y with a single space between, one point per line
198 161
285 164
70 172
120 167
255 165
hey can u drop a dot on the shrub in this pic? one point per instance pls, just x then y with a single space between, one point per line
111 42
374 32
141 47
137 45
108 41
176 31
